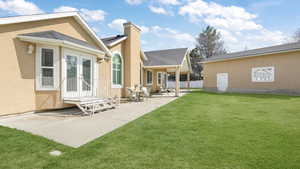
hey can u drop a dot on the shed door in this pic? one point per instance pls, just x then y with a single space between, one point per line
222 82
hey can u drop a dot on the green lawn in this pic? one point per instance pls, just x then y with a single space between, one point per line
200 130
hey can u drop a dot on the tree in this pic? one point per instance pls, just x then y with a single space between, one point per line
209 43
296 36
195 58
195 53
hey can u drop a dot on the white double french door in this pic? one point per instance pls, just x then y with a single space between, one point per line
78 75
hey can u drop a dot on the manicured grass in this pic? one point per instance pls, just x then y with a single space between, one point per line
200 130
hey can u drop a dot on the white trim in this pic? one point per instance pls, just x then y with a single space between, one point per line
131 24
187 56
62 43
144 55
184 57
111 67
242 57
147 77
79 55
118 41
164 66
38 67
96 77
257 80
38 17
189 61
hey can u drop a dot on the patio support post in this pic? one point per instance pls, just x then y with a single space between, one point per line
188 80
177 88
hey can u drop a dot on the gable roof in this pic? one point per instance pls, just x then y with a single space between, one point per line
255 52
58 36
39 17
113 40
168 57
53 37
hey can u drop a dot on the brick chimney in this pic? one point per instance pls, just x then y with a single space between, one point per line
132 52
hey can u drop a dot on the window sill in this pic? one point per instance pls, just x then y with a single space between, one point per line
117 86
46 89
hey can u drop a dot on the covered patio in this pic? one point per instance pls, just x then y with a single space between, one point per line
162 63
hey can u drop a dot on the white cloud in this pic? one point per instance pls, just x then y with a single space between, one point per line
164 34
117 24
219 16
174 35
65 9
89 15
144 29
158 10
20 7
93 15
169 2
95 29
236 25
163 37
261 5
163 2
134 2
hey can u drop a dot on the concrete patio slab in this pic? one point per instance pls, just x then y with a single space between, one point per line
69 128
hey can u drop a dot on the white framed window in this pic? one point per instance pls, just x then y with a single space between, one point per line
117 70
47 67
149 77
263 74
159 78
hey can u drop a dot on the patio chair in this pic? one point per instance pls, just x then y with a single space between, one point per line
145 93
132 94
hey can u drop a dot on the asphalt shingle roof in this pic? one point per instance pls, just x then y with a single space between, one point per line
165 57
112 39
59 36
254 52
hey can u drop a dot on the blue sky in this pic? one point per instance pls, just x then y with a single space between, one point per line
175 23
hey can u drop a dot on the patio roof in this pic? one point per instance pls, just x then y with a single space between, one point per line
165 58
58 38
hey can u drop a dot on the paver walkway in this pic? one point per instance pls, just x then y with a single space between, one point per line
67 127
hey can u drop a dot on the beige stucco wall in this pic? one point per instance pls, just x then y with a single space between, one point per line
105 72
17 70
287 71
154 87
132 56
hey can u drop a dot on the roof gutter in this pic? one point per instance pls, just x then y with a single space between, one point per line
62 43
163 66
39 17
117 41
250 56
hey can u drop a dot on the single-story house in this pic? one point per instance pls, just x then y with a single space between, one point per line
272 69
48 59
161 63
